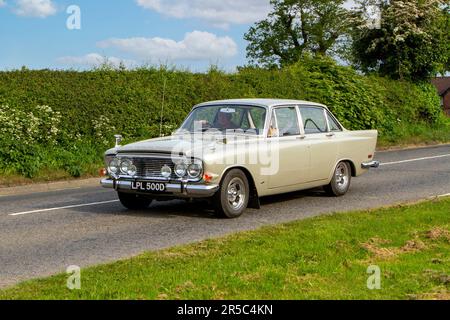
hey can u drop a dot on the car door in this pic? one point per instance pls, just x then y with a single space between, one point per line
323 142
292 154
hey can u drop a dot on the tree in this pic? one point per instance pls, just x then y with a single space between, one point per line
411 42
295 27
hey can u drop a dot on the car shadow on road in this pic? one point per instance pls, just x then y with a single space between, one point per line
158 209
284 197
190 209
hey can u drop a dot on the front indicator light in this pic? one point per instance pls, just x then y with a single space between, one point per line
103 172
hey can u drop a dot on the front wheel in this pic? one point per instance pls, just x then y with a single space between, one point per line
232 198
340 183
134 201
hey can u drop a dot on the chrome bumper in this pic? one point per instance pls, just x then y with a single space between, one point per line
371 164
176 189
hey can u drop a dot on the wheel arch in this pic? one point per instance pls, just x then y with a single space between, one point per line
350 162
254 197
352 166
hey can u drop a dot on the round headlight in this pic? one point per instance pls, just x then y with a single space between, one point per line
166 171
132 170
194 170
127 167
180 169
113 167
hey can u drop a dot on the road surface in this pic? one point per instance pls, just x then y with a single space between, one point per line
44 233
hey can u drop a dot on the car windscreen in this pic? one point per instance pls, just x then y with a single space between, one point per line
246 119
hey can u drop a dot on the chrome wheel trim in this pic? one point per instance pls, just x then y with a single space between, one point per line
236 193
342 176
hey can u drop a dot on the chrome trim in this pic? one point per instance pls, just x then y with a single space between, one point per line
115 184
107 183
146 154
177 189
371 164
201 190
152 156
159 179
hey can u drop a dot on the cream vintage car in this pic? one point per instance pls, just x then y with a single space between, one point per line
233 152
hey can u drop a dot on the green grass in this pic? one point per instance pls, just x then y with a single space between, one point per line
320 258
10 179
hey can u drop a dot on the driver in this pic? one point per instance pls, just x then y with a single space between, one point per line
224 122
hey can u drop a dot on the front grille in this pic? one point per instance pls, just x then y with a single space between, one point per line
151 167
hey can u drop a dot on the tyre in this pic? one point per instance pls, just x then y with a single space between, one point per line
340 183
232 198
133 201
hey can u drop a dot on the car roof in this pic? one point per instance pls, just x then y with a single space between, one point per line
260 102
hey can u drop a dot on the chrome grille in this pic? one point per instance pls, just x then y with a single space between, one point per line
151 167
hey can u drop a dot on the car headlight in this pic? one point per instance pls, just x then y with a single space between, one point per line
127 167
166 171
113 166
180 169
194 170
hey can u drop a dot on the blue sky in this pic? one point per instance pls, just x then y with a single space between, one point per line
188 33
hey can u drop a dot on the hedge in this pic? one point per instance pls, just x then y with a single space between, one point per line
84 109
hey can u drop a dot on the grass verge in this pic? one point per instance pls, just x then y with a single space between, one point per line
10 179
320 258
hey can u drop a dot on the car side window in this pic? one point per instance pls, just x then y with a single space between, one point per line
314 120
334 125
287 122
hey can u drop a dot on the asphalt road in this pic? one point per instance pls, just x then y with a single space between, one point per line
81 232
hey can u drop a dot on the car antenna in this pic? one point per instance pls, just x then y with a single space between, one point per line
162 107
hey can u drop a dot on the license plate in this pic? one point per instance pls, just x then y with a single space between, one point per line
145 186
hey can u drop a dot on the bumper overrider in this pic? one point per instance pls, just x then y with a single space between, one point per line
180 189
371 164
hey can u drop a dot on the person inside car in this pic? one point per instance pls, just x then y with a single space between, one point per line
224 121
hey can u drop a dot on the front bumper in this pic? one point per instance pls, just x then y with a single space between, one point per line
172 189
371 164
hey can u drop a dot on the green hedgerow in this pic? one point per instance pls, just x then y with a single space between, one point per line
66 119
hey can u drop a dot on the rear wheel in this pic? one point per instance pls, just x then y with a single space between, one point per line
340 183
134 201
232 198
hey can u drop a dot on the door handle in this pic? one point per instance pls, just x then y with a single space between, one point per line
330 135
301 137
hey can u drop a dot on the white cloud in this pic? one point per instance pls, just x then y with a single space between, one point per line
35 8
219 13
94 59
196 45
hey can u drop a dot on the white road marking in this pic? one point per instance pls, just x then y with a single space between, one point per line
413 160
61 208
444 195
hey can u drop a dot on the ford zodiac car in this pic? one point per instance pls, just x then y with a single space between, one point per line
233 152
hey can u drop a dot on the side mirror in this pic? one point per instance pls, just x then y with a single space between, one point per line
118 139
